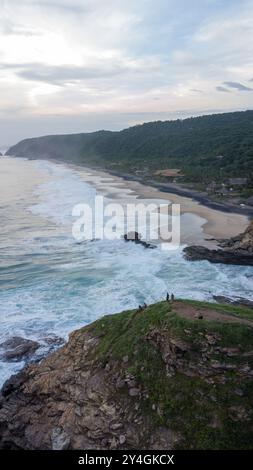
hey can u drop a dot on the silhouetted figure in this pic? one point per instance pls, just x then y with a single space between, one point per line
140 308
145 305
168 297
172 298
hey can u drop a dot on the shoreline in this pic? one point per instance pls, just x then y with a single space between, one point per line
167 188
211 220
218 223
173 188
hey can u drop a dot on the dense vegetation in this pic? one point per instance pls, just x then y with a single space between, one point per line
192 145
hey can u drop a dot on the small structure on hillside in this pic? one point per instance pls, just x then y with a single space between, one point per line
226 189
171 173
212 187
223 191
239 182
218 189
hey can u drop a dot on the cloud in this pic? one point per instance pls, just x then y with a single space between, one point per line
67 7
238 86
69 57
59 75
196 90
73 6
222 89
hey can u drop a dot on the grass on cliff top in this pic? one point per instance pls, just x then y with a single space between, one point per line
124 330
197 410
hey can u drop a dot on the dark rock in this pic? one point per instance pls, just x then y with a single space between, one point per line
17 349
54 340
13 383
240 301
136 238
237 250
200 253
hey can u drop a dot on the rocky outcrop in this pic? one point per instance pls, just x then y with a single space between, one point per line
136 380
242 243
199 253
237 250
240 301
71 401
137 238
17 349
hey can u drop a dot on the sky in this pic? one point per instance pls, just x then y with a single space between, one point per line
82 65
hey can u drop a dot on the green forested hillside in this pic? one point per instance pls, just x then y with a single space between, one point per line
190 144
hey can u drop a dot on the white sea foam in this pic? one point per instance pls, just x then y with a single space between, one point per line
51 284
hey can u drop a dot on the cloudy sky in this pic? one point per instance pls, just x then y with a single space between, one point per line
83 65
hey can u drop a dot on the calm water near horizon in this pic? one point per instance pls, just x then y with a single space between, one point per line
50 284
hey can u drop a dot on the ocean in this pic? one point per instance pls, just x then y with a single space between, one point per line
50 284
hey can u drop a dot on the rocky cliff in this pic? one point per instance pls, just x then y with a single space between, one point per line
237 250
242 243
174 375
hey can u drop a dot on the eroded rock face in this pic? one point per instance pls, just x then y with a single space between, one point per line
241 243
70 401
238 250
80 398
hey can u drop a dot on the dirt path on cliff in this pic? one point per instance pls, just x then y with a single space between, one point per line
191 312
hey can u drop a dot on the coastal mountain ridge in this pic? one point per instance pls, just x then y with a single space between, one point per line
209 147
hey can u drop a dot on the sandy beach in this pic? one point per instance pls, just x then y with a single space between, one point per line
199 224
